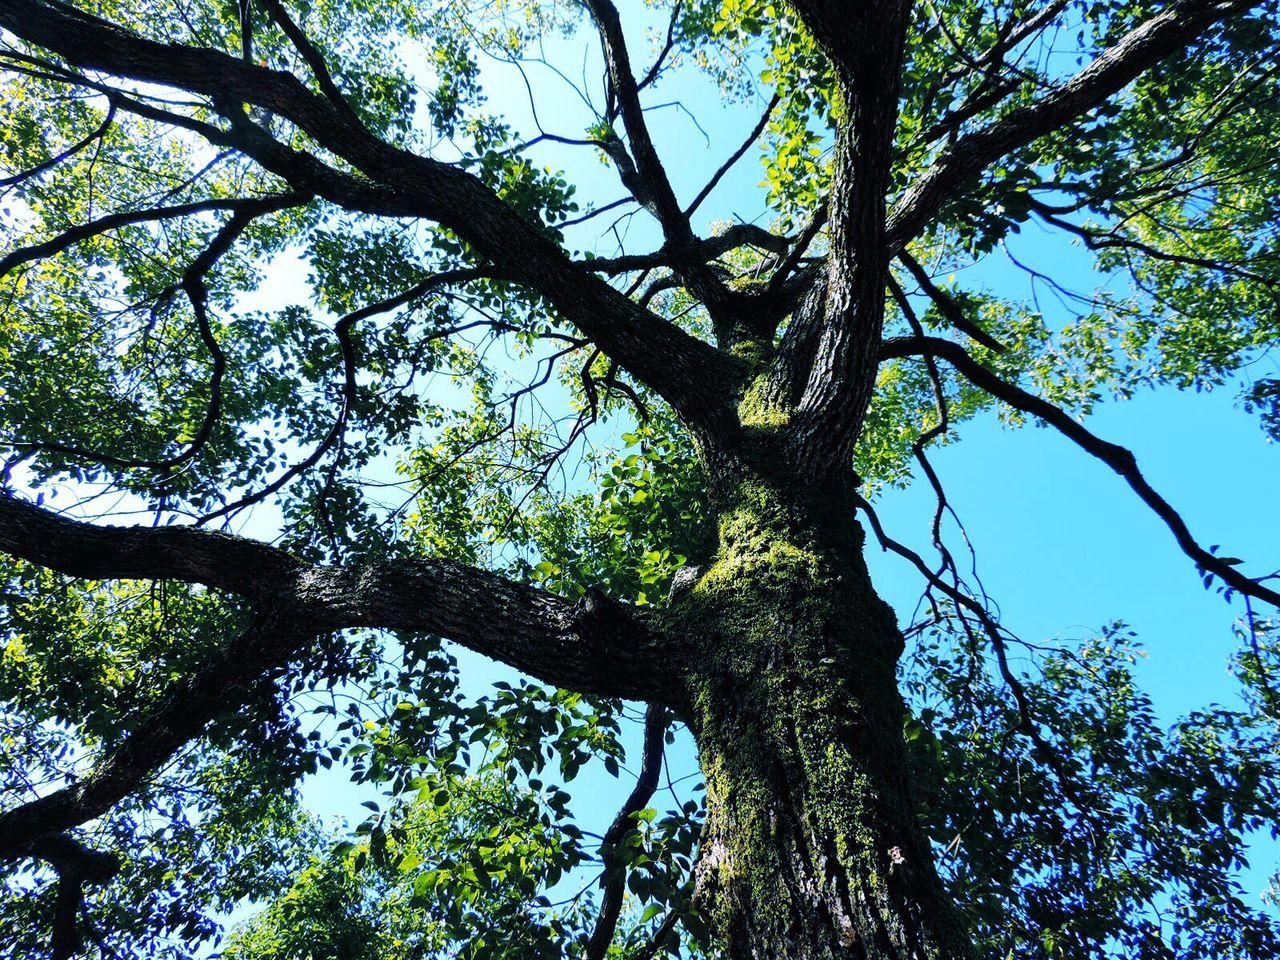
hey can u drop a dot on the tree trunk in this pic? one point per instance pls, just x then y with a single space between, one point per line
811 847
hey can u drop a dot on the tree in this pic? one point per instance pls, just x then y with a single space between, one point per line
750 389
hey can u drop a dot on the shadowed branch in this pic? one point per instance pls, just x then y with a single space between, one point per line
1118 458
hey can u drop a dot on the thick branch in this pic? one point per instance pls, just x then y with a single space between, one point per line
596 645
245 567
65 938
72 859
658 195
76 865
688 373
1118 458
795 356
862 39
1162 36
866 42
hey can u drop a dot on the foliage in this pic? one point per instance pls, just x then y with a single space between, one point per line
1116 836
473 421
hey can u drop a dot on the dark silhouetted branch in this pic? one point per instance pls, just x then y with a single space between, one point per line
615 875
1118 458
1161 36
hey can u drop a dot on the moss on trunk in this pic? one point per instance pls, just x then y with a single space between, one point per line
811 848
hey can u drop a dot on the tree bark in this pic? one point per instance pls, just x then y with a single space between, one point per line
811 847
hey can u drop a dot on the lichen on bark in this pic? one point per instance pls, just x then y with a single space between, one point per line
811 847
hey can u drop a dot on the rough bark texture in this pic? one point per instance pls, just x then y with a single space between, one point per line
811 847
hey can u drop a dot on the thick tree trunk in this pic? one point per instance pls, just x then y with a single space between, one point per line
811 847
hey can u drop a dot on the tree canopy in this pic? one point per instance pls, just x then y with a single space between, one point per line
322 361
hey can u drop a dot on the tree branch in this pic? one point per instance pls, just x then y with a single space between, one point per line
734 157
89 551
687 372
615 876
342 331
178 718
193 285
1028 724
866 43
1113 238
649 182
660 197
75 865
947 305
115 221
1160 37
311 54
1118 458
862 40
24 175
698 252
596 645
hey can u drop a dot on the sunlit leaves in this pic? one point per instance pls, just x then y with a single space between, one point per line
1124 838
474 424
